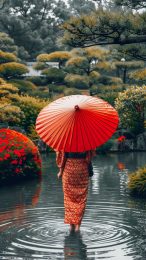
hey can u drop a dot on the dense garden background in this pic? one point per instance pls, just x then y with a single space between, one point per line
77 47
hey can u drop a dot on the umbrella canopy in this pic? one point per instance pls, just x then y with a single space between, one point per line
76 123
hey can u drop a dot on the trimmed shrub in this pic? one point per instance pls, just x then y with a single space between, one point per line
30 106
137 182
11 114
41 94
54 56
7 57
56 88
19 157
77 81
54 75
38 81
13 70
24 86
130 105
8 87
94 77
40 66
71 91
107 80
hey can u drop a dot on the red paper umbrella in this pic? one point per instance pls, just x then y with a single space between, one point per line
77 123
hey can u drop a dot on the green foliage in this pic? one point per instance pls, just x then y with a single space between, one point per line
7 43
139 75
54 75
81 6
110 97
77 65
56 88
12 70
9 87
130 105
137 182
77 81
30 106
101 27
94 77
19 110
71 91
58 56
38 80
11 113
41 93
107 80
129 64
103 89
7 57
104 66
105 147
40 66
54 56
96 53
134 4
24 86
33 24
80 69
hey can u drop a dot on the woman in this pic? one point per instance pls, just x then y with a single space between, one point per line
75 176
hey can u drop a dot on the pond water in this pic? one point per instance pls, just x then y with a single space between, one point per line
114 224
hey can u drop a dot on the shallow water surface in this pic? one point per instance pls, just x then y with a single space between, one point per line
114 224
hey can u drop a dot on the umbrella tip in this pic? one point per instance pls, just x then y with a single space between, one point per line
76 107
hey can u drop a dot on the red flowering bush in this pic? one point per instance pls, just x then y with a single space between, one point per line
19 157
121 138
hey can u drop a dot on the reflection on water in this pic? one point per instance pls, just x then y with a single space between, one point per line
114 225
74 247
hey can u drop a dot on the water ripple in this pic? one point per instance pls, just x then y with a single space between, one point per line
40 234
114 225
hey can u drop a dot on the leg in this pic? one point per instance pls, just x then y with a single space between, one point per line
77 227
72 227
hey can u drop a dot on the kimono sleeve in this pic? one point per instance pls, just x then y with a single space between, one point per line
60 159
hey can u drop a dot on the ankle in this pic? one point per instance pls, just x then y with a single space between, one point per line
72 227
77 228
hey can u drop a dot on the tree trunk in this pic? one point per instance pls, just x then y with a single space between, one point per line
124 75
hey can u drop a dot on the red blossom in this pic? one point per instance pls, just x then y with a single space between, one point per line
121 138
20 162
17 152
17 147
17 170
14 162
6 156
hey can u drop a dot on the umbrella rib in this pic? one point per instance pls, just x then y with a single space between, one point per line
81 123
51 125
102 134
72 135
66 133
86 127
62 127
62 130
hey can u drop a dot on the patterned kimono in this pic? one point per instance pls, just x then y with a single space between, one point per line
75 184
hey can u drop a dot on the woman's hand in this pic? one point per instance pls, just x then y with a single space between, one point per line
59 175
